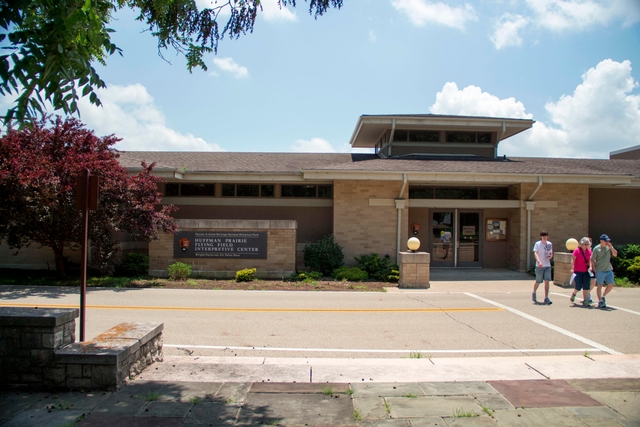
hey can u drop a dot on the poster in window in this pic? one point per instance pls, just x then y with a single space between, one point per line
496 230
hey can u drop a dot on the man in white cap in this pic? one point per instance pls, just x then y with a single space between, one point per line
601 264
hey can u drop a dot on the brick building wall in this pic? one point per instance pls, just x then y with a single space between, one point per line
363 229
569 219
281 249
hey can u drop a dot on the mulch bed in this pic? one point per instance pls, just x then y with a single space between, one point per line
269 285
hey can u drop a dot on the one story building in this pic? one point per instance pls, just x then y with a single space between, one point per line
435 177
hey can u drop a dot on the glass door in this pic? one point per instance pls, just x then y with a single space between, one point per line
469 239
443 237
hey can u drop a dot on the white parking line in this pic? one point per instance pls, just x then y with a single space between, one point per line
610 306
547 325
358 350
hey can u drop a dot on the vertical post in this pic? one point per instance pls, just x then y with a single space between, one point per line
83 267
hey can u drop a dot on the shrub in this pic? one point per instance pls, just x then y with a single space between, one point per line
625 264
179 271
354 274
376 267
394 277
133 265
323 256
310 276
245 275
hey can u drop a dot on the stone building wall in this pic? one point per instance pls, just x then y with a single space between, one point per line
281 249
363 229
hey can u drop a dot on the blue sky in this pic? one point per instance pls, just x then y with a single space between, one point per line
299 85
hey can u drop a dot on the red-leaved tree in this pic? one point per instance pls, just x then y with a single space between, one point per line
38 170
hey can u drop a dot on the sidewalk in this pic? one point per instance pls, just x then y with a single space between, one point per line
589 390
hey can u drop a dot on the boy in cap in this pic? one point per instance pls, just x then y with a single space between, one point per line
601 264
543 252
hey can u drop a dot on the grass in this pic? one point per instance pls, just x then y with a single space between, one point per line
152 396
229 401
410 396
415 355
487 410
195 400
387 406
348 392
461 413
357 415
624 282
329 390
274 422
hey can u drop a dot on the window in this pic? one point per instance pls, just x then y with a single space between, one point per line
307 191
469 137
400 135
424 136
247 190
187 190
458 193
421 192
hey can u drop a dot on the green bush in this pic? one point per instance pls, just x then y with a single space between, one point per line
179 271
306 276
354 274
626 264
394 277
378 268
133 265
245 275
324 256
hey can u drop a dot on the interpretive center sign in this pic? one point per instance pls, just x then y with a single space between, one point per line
220 244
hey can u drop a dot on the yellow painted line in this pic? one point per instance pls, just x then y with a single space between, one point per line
265 310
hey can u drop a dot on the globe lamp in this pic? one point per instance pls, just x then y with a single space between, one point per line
571 244
413 244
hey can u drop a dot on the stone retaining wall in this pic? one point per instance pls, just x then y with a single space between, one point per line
38 351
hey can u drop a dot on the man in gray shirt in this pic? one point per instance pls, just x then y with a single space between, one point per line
601 265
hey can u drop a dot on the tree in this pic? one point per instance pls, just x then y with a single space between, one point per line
53 43
38 170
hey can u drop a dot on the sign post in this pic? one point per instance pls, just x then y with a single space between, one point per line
86 199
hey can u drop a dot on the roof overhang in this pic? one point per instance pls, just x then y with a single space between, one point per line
369 128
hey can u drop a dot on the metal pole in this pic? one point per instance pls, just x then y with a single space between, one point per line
83 268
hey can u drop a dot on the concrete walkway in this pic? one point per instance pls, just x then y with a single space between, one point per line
589 390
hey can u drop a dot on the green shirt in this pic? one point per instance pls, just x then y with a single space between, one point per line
602 258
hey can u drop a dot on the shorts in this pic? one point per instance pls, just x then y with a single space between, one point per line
604 276
582 281
543 274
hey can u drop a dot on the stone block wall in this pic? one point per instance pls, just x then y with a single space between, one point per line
29 338
415 270
363 229
569 219
562 269
281 249
38 351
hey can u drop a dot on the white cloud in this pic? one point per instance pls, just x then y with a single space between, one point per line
130 113
272 12
422 12
313 145
507 31
561 15
229 65
372 36
471 101
602 115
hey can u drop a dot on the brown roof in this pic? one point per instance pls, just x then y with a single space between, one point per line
294 162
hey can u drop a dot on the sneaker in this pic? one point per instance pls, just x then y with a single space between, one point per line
585 303
604 301
533 297
573 298
547 301
601 304
590 300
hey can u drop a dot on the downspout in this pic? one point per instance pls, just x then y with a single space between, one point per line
530 204
393 131
400 202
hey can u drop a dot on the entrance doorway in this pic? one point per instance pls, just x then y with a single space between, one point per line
455 238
